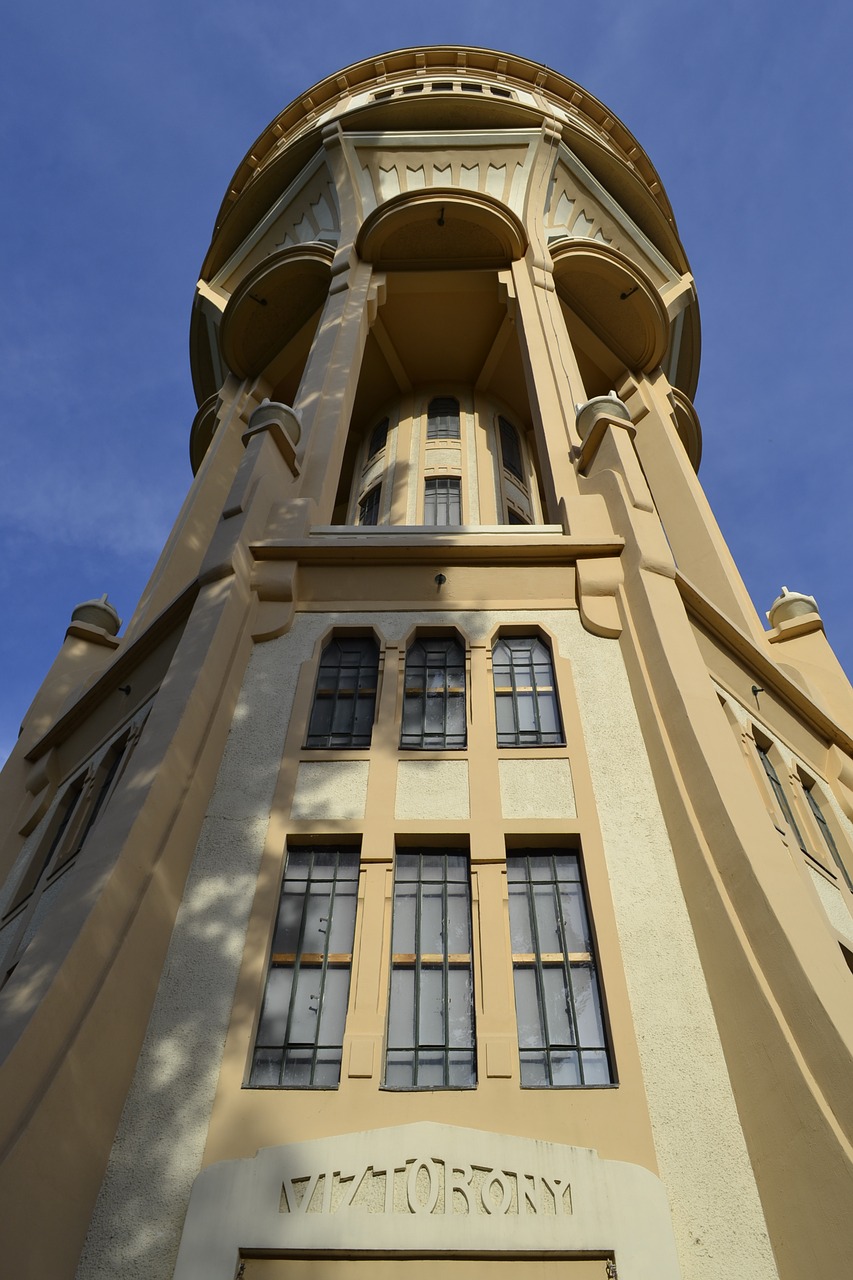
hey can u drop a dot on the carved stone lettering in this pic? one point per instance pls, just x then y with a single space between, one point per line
428 1185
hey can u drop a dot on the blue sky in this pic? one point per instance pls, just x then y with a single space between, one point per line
121 124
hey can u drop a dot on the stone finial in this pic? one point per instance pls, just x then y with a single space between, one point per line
273 411
609 405
790 604
98 613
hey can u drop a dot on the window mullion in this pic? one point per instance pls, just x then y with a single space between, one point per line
537 968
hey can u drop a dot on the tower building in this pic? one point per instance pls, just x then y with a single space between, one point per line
445 872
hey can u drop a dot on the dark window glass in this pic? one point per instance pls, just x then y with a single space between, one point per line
561 1036
301 1031
378 439
472 88
515 517
443 418
413 88
779 793
442 500
525 694
345 695
510 449
442 84
827 836
434 701
383 93
501 93
368 508
431 1004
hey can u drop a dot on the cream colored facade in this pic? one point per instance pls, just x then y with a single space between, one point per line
443 343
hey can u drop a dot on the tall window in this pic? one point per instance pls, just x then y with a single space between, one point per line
442 500
827 835
431 1005
443 418
345 695
378 439
368 507
779 792
301 1032
434 699
510 449
525 694
561 1038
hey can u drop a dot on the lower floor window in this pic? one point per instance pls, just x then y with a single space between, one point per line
561 1035
301 1031
431 1006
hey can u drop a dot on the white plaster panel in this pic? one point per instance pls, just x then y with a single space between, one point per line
432 789
444 457
428 1188
537 789
834 905
330 789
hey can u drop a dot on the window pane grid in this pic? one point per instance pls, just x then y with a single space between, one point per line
442 500
782 799
558 1001
827 836
525 695
510 449
300 1033
368 507
345 695
431 1012
434 697
378 439
443 418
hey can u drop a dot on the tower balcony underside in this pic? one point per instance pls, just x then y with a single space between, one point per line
417 196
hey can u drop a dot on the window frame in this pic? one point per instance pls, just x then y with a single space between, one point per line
418 962
452 494
415 739
526 738
569 963
440 425
339 693
777 790
821 821
301 962
369 504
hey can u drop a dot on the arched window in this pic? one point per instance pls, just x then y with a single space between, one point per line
434 699
378 439
345 695
368 508
510 449
525 693
443 418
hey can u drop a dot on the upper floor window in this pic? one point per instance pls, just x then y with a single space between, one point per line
779 792
525 693
510 449
827 835
443 500
345 695
443 418
561 1037
301 1031
431 1004
368 508
434 698
378 440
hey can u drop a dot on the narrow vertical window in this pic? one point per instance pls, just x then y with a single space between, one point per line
301 1031
510 449
443 418
378 439
345 695
525 694
561 1036
431 1004
828 838
368 507
442 500
779 792
434 698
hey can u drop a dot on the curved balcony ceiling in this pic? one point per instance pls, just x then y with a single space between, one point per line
615 299
441 229
272 304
